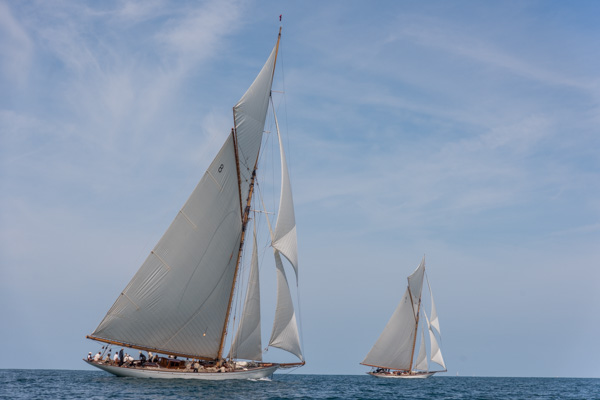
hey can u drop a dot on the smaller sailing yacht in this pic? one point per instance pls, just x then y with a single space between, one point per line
393 354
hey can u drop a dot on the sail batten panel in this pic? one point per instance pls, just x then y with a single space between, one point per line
201 265
285 328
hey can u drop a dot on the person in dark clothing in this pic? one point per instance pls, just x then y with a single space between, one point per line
121 358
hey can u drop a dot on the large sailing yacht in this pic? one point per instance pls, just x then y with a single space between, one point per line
178 306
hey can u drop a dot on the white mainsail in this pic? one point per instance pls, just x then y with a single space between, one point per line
197 255
393 349
178 301
247 341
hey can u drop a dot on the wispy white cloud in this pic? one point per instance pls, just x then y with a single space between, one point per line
16 46
446 36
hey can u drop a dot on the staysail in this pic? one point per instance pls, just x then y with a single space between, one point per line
436 352
421 363
198 253
247 341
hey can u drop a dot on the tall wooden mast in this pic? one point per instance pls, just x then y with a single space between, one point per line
245 213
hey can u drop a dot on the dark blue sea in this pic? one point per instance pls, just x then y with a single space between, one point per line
62 384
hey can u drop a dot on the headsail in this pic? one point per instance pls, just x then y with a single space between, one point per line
285 329
284 237
435 322
436 353
421 363
198 252
247 341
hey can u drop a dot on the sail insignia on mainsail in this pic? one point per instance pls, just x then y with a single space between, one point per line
179 302
393 354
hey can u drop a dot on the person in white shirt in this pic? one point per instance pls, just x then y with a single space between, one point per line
98 357
116 358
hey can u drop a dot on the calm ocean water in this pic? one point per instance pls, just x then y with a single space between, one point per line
60 384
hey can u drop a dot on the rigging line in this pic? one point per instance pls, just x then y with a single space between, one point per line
283 92
263 155
266 214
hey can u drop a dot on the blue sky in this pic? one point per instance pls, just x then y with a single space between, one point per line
467 131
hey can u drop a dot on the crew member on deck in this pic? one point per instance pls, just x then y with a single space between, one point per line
121 358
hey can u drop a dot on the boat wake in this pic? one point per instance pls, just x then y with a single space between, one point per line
265 379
